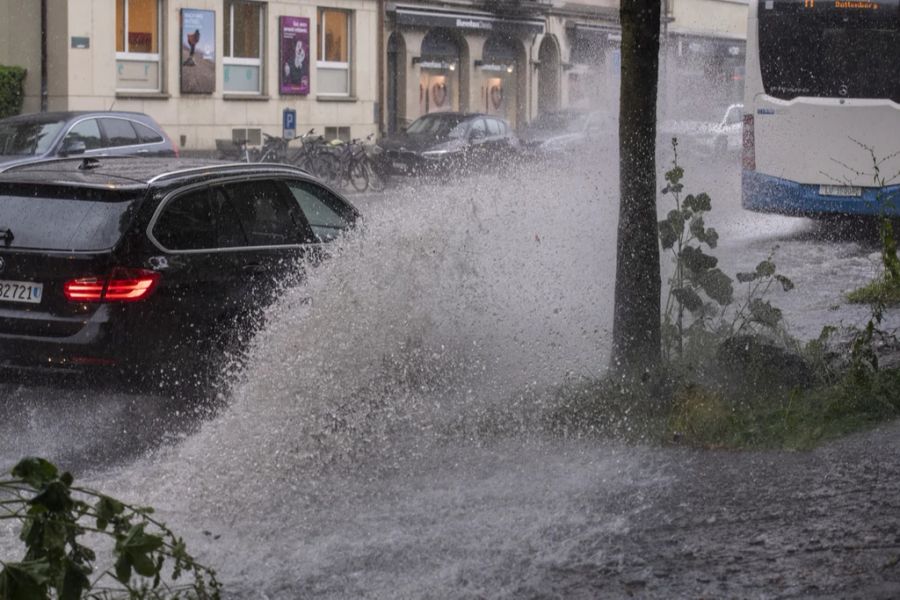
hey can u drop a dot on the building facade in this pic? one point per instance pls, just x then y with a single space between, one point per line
210 70
204 69
520 58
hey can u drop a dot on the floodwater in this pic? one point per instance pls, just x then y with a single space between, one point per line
385 441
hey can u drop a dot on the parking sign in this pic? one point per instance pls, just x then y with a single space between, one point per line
289 123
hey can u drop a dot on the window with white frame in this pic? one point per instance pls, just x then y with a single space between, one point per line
138 47
333 52
244 22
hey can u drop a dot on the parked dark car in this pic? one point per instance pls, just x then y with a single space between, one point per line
58 134
443 143
567 131
126 262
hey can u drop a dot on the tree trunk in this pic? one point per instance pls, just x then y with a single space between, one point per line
636 329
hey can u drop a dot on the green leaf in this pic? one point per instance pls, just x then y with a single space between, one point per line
677 220
55 497
75 581
747 277
674 175
25 580
688 298
667 235
699 203
123 569
764 313
37 472
717 286
786 284
107 509
695 260
765 269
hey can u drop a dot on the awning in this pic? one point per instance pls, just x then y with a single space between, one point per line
426 17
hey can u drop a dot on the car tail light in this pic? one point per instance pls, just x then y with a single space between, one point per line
171 143
122 285
748 159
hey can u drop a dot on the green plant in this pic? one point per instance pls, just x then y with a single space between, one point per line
12 91
149 559
684 233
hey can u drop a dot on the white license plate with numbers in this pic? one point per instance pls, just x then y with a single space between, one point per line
840 190
21 291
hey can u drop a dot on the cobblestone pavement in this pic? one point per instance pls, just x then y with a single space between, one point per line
821 524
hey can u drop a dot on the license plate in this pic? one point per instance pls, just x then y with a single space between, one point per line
399 166
840 190
21 291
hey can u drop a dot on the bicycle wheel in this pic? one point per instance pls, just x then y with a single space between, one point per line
376 181
327 168
358 175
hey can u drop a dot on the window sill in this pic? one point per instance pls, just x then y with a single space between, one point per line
321 98
144 95
246 97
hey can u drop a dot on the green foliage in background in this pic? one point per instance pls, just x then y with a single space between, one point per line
12 90
58 519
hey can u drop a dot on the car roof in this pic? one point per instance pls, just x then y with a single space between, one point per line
68 115
112 172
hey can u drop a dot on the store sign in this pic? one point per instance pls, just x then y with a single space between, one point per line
293 69
421 17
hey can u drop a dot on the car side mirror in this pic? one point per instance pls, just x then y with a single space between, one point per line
71 147
476 134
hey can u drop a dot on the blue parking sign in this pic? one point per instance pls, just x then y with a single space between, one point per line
289 123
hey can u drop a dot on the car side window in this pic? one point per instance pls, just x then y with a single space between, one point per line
119 132
229 231
187 222
327 215
86 131
477 129
494 127
267 216
147 135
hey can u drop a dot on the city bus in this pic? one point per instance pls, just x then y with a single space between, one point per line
822 97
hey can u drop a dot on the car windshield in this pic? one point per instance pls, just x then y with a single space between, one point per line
27 138
452 126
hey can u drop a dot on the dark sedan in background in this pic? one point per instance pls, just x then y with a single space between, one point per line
449 142
25 138
567 131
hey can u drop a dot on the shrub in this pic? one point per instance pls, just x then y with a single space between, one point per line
12 90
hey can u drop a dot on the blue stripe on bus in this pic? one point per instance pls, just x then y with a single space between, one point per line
765 193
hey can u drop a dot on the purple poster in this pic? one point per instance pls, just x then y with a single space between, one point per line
294 68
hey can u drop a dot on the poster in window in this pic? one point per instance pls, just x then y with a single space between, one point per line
294 67
198 51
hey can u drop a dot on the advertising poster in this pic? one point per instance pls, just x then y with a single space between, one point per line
198 51
294 68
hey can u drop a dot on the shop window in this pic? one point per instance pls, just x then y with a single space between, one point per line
244 22
333 52
138 45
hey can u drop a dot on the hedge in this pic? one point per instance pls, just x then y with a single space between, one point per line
12 90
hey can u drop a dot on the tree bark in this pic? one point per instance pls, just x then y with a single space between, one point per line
636 328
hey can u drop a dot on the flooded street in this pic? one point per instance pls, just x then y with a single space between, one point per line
385 439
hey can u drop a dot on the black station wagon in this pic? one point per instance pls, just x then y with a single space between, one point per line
124 262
